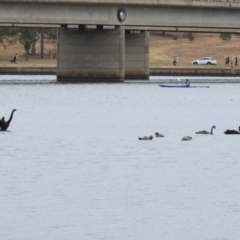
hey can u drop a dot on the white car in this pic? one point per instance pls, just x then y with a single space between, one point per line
205 60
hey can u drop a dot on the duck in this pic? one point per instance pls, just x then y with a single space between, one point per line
158 134
206 132
146 138
232 131
5 124
186 138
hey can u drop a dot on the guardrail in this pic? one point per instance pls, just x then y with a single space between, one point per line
237 1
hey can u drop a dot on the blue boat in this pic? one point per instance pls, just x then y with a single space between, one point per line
179 85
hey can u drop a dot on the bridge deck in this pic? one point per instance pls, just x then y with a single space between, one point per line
145 14
194 3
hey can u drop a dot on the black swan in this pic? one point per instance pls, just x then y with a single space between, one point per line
146 138
233 131
187 138
5 124
158 134
206 132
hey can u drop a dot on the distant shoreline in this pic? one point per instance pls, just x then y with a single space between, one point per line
160 71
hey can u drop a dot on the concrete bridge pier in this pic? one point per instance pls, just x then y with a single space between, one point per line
137 55
91 55
102 55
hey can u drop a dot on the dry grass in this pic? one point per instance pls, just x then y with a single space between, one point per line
162 49
34 61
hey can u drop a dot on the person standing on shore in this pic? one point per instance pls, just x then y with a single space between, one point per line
227 62
174 61
231 62
16 58
236 61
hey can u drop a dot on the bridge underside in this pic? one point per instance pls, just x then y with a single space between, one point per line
99 55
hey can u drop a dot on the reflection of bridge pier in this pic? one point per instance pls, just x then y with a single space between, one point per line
102 55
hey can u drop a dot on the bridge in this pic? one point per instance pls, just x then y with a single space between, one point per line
108 40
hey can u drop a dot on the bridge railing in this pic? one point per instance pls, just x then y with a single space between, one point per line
214 0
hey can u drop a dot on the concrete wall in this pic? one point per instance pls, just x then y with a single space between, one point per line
91 55
137 55
195 71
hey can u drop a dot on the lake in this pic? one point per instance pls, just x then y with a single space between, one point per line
72 166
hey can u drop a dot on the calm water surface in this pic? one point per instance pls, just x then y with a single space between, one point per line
72 167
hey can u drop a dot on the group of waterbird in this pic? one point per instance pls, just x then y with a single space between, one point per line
151 137
5 124
188 138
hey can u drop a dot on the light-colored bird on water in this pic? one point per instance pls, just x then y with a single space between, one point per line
186 138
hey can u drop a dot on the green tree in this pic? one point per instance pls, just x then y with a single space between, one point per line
7 37
51 33
190 36
225 36
27 38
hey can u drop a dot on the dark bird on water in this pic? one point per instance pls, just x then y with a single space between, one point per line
146 138
206 132
232 131
186 138
5 124
158 134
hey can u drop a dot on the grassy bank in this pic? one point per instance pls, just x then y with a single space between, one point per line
34 61
162 49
